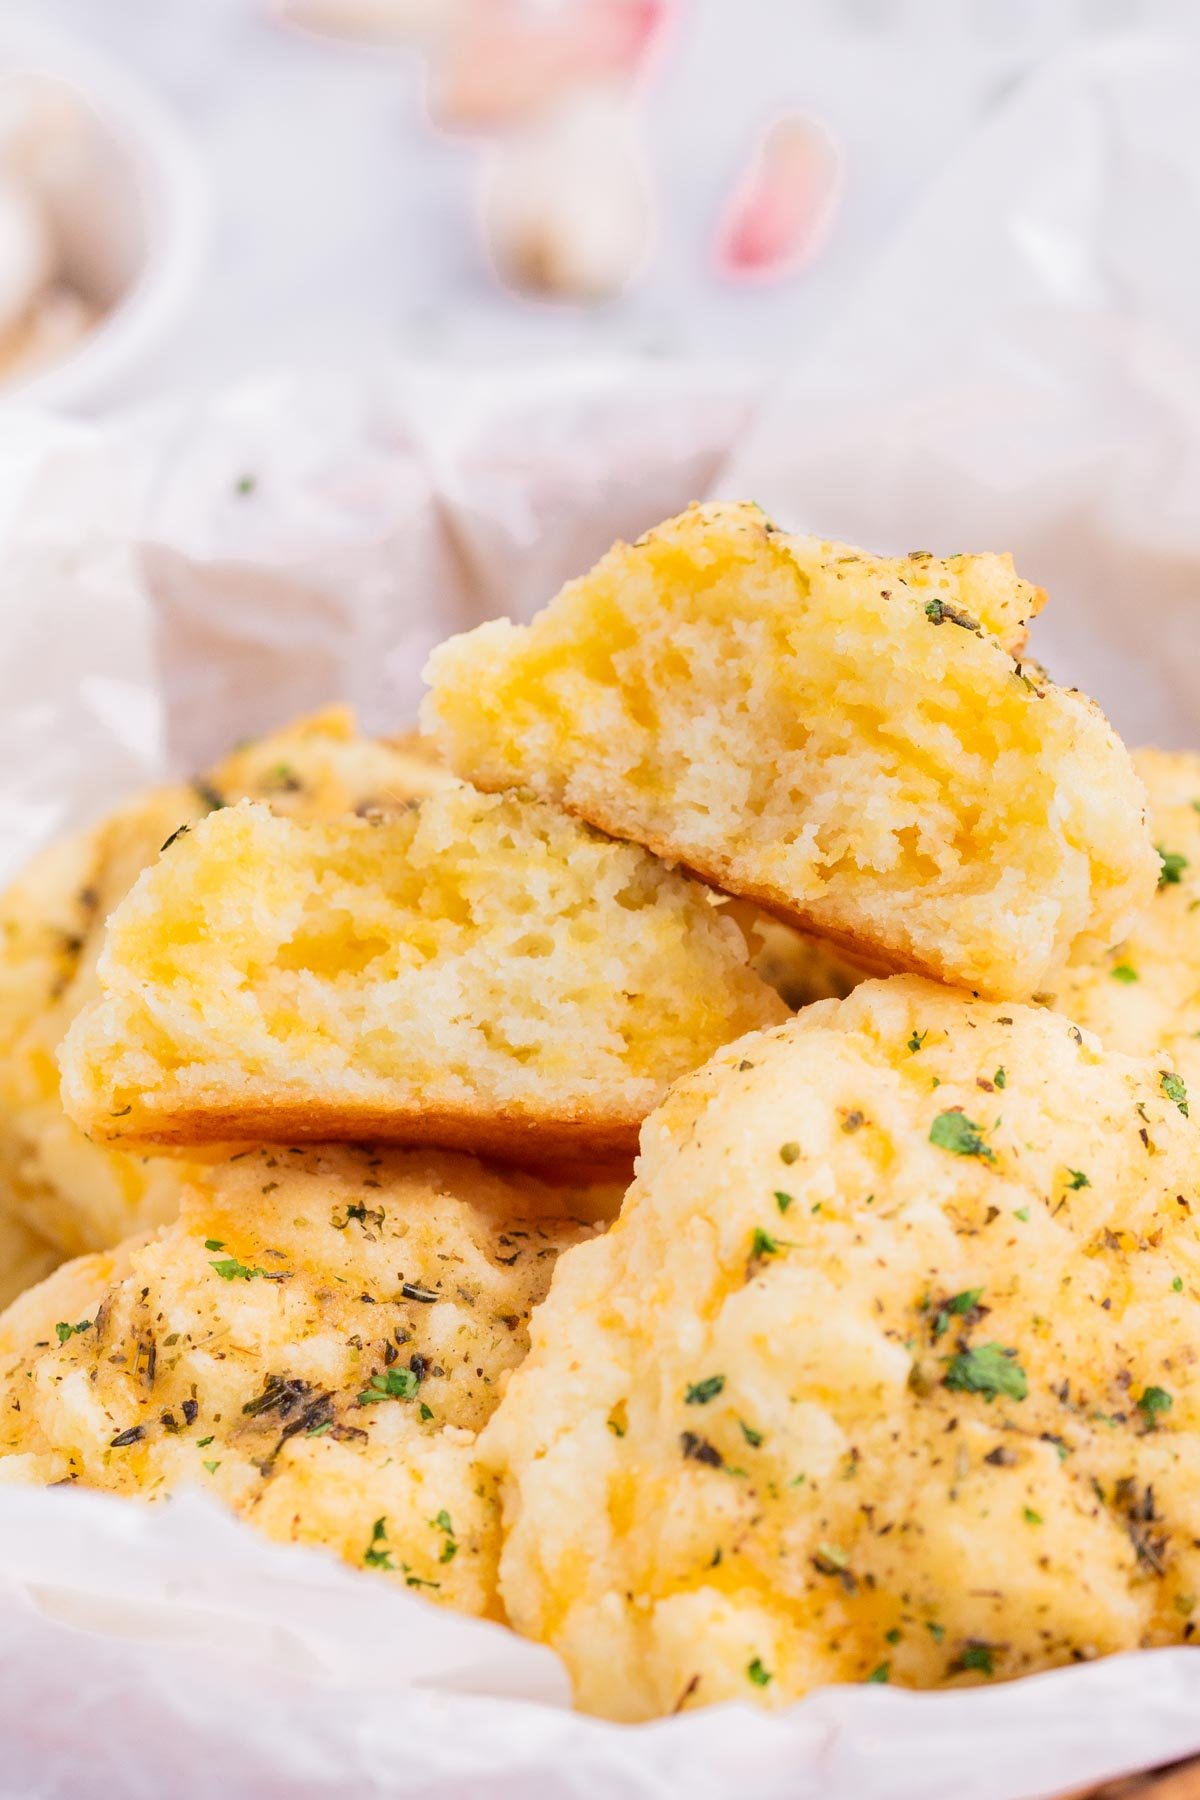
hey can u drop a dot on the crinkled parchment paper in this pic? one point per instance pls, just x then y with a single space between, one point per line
1022 371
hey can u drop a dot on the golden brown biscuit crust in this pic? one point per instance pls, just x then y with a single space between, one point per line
576 1141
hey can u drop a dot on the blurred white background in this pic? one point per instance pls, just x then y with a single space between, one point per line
346 224
908 272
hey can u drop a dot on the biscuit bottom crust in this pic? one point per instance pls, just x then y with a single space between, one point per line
515 1137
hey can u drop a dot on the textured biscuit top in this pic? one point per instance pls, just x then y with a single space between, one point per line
315 1340
888 1370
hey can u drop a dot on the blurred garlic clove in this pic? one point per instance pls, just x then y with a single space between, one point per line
27 251
782 207
370 21
502 61
36 113
566 209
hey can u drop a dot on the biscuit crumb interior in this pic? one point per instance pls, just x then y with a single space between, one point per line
835 735
477 952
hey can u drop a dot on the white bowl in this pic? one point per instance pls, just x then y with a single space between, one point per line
132 223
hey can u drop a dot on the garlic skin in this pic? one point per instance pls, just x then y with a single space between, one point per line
781 210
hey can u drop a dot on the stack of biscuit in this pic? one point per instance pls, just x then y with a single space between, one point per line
775 866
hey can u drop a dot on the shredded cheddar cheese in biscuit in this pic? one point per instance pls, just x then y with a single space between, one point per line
480 972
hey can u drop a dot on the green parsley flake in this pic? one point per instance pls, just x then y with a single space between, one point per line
390 1384
1078 1179
212 1467
376 1555
1173 866
758 1674
1123 972
938 611
1176 1286
1155 1400
882 1675
990 1369
763 1244
936 1632
63 1331
957 1306
699 1393
1030 1517
426 1413
319 1430
782 1200
1174 1087
916 1040
977 1656
752 1437
1022 1213
955 1132
894 1635
213 1244
230 1269
443 1524
1000 1079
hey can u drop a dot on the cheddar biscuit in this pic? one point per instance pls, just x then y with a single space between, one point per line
481 972
25 1256
885 1373
316 1340
1143 995
844 739
77 1194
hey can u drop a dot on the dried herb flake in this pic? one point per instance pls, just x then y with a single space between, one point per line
955 1132
989 1369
